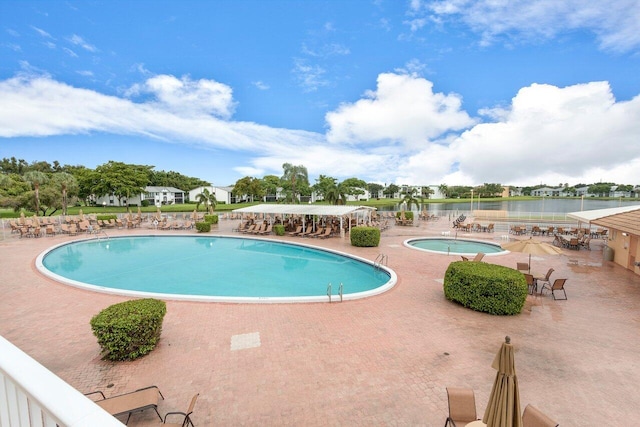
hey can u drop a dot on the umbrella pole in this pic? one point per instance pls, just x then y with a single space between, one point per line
529 263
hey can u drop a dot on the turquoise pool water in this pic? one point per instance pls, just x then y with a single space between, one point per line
455 246
225 268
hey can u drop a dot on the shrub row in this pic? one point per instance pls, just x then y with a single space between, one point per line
485 287
407 215
130 329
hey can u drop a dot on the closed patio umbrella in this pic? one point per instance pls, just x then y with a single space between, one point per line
532 247
503 409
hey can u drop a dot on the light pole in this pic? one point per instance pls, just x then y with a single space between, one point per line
471 210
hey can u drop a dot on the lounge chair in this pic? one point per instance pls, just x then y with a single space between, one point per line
297 231
532 417
558 285
327 233
477 258
267 230
462 407
128 403
318 232
186 421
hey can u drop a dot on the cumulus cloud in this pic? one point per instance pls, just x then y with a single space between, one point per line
404 109
186 96
615 23
553 132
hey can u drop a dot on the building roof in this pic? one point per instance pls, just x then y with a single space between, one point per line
160 189
303 209
628 222
592 215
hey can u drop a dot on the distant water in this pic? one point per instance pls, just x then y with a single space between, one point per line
546 205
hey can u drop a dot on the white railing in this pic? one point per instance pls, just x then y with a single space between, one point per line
31 395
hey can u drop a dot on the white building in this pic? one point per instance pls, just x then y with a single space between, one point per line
223 194
153 194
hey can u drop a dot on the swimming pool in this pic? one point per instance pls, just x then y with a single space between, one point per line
226 269
454 246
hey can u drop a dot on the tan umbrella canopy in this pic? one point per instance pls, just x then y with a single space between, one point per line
532 247
503 409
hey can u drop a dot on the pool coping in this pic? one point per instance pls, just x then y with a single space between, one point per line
393 278
406 243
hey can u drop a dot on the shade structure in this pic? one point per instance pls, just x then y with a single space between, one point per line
503 409
532 247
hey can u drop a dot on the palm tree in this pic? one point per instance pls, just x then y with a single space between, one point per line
36 179
295 177
203 198
410 198
336 195
444 190
66 182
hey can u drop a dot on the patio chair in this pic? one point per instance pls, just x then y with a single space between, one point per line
558 285
532 417
128 403
186 422
585 243
531 283
297 231
546 279
462 407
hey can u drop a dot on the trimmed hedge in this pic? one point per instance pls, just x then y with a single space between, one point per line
278 229
211 219
130 329
203 227
489 288
106 217
365 236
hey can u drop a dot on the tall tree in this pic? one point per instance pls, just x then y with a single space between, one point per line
250 187
444 190
270 185
67 184
391 190
36 179
122 180
374 189
295 179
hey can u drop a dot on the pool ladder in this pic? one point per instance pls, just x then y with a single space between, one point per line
339 291
106 236
381 259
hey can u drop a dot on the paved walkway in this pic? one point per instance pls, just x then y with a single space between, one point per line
384 360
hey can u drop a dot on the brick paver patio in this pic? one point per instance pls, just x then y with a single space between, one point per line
384 360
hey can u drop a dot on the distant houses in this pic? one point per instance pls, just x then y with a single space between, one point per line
154 195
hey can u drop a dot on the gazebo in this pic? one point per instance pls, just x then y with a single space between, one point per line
340 211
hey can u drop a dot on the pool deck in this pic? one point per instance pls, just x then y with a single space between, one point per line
384 360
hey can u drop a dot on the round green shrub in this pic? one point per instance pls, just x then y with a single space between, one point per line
130 329
485 287
203 227
278 229
365 237
211 219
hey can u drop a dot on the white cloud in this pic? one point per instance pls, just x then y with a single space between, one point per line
549 131
186 96
614 22
70 52
14 47
261 85
86 73
79 41
404 109
42 32
310 77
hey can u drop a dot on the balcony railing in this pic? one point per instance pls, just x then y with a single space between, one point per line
31 395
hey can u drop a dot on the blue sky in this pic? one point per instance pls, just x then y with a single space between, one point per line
412 92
